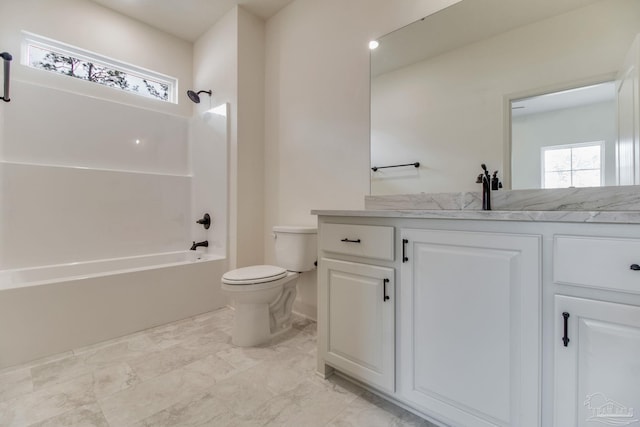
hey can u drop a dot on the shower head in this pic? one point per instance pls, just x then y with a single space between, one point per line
195 97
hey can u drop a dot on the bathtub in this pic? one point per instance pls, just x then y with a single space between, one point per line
52 309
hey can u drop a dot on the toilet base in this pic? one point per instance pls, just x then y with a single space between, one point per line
250 325
256 323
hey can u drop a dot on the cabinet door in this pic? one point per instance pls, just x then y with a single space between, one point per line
470 327
597 373
359 334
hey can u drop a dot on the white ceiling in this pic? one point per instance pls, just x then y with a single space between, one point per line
565 99
458 25
189 19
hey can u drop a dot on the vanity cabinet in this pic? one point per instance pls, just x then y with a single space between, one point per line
472 334
470 310
357 300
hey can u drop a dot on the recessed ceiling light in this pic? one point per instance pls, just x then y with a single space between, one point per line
373 44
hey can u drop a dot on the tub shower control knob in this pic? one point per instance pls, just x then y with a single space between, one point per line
205 221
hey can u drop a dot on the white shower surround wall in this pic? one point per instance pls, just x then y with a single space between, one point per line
52 309
85 178
98 203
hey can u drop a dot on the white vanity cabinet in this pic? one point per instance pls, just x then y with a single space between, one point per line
357 302
473 332
596 342
470 336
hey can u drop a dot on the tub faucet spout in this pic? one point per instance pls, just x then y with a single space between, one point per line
204 244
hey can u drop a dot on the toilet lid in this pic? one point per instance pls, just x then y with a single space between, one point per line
254 274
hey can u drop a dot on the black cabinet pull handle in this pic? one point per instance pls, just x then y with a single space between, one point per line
385 297
634 267
350 241
404 250
566 339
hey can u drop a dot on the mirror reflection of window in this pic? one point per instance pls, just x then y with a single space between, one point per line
574 165
557 125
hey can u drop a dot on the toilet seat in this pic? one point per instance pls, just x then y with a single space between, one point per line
253 275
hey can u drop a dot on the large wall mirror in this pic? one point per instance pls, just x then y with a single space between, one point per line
542 91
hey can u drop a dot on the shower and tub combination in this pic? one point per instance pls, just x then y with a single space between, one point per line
98 209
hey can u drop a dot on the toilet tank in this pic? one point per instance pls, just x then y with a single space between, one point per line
296 247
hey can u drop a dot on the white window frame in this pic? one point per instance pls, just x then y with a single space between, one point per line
30 39
575 145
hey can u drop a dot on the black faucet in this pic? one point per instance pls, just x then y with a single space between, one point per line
204 244
495 182
485 180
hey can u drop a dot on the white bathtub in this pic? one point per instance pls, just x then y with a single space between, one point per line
51 309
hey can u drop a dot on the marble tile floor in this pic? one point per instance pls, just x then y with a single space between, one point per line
187 373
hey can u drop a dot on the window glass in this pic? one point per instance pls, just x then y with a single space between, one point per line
575 165
49 55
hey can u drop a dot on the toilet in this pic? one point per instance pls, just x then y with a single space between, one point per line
263 295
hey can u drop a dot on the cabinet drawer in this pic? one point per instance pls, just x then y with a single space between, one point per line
368 241
597 262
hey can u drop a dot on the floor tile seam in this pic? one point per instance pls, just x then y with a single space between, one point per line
69 411
95 347
103 396
104 415
93 400
238 371
354 395
76 361
251 415
192 334
344 405
143 380
339 414
128 356
188 400
6 399
239 366
62 381
90 369
159 337
36 362
292 387
195 337
159 374
102 400
46 390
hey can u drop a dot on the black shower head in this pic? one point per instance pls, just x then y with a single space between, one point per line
195 97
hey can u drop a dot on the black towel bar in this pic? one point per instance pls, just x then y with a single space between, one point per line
416 165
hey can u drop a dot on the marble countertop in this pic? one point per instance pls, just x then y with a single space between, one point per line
604 217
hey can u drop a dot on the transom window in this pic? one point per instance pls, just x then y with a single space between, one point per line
573 165
57 57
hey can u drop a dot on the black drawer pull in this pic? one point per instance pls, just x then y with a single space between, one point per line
385 297
566 339
350 241
404 250
634 267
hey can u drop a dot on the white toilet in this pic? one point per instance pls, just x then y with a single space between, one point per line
263 295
